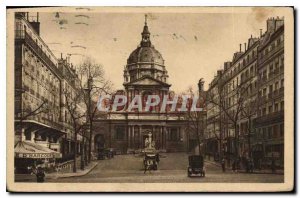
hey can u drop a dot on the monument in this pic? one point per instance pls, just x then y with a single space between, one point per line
149 144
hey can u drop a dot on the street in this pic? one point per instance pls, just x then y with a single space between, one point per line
172 168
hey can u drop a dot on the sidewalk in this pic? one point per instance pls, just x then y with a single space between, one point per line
79 172
262 171
32 178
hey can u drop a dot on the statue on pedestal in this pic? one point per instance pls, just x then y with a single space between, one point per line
149 143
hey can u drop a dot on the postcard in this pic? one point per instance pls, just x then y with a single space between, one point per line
150 99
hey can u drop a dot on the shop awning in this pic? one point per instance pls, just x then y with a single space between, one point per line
25 149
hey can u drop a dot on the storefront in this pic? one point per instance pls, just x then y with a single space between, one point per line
29 155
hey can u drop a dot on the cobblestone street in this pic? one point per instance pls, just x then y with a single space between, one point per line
172 168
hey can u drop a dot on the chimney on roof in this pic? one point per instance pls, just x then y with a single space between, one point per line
219 72
240 47
61 56
260 32
245 44
34 21
251 35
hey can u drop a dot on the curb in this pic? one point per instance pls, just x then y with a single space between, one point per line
245 171
74 175
216 164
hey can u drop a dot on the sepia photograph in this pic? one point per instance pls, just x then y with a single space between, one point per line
150 99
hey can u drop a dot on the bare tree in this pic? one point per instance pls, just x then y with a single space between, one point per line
230 109
249 111
95 85
73 104
196 120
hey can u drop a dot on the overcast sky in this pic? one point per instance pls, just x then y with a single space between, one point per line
194 45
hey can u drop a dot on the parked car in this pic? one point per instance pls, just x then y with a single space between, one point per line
196 166
105 153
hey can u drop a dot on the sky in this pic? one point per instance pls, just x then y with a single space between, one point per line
194 44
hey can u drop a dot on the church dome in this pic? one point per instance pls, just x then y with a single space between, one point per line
145 54
145 60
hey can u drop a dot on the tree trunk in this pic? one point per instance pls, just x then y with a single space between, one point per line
75 152
199 142
236 152
249 138
199 147
82 163
90 142
85 157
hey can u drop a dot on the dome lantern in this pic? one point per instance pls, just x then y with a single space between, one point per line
146 35
145 60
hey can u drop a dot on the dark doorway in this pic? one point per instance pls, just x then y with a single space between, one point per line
99 142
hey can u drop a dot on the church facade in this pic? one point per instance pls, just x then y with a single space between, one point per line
145 74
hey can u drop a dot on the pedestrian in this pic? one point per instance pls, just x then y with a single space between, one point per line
40 175
157 158
234 166
259 164
238 163
273 165
247 165
223 164
251 165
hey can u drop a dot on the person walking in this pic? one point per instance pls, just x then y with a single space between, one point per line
251 165
234 166
273 165
223 165
247 165
40 175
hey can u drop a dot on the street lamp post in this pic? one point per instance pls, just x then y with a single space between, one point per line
88 90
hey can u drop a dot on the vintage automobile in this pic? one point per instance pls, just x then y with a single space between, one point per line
151 161
196 166
105 153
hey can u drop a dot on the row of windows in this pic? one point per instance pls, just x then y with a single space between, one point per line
272 87
251 72
243 62
274 68
271 109
22 27
271 132
273 45
36 68
39 91
173 135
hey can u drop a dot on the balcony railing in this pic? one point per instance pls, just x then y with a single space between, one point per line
270 117
52 123
263 58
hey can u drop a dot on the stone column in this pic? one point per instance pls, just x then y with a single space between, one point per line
163 138
155 134
128 136
70 147
140 138
78 147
